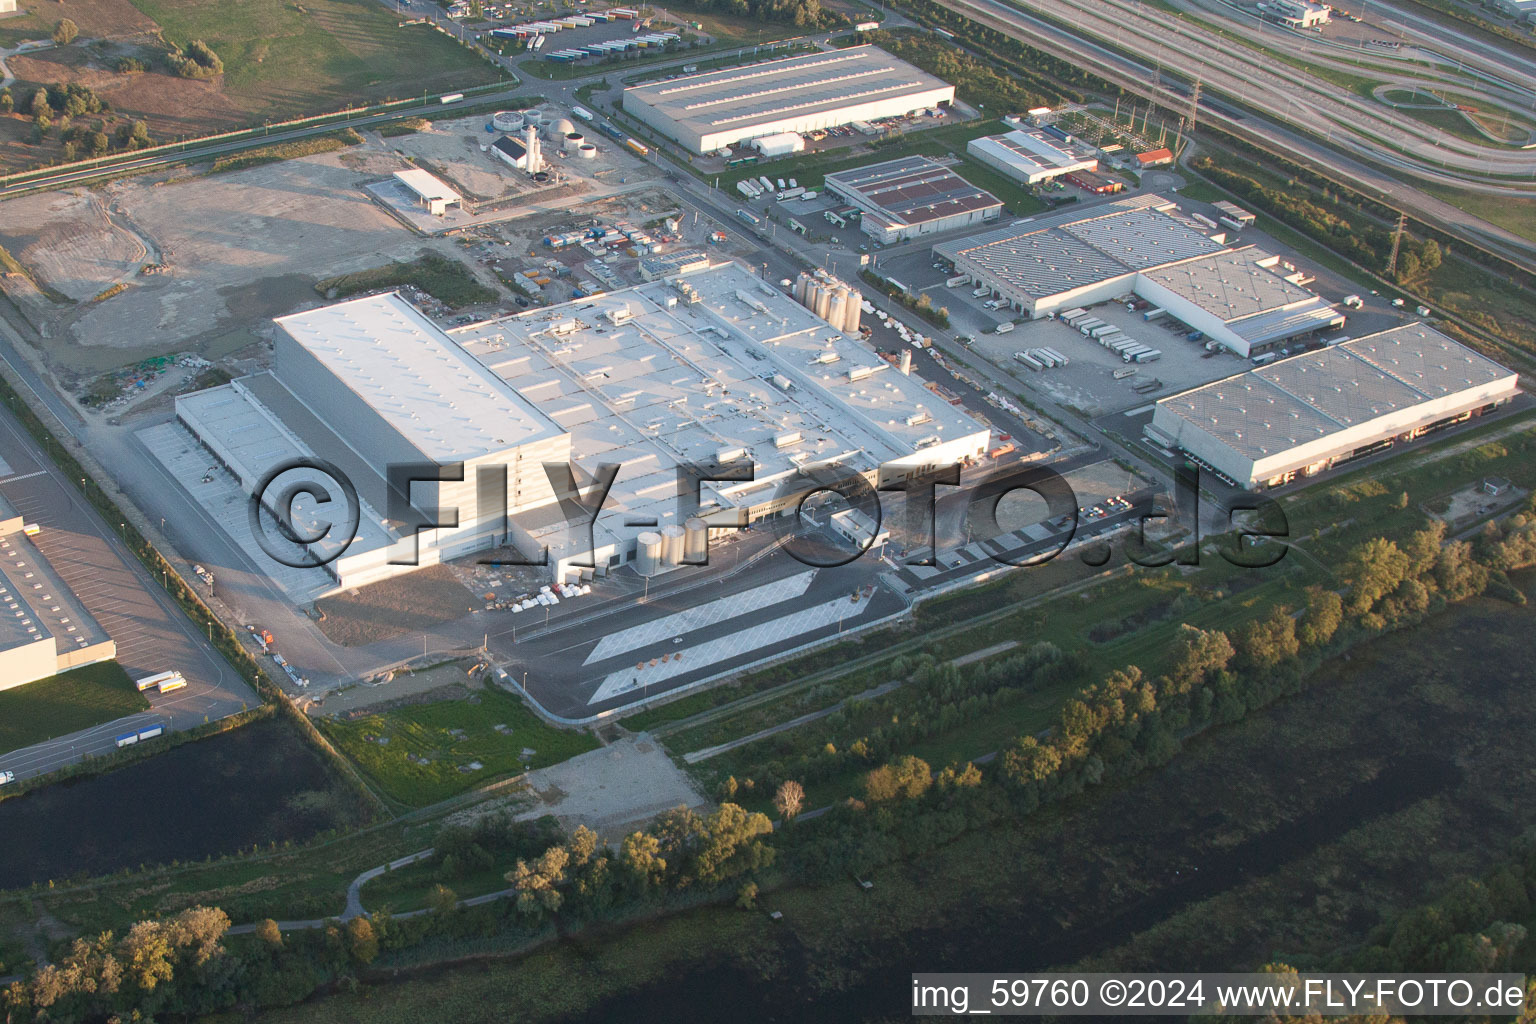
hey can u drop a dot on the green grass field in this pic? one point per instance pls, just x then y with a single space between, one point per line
66 703
424 730
282 59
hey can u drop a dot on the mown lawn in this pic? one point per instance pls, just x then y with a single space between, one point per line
284 59
66 703
426 731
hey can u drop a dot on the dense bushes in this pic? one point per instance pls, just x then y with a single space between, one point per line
975 81
805 13
197 61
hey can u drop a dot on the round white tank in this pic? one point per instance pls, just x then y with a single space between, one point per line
507 120
561 126
587 151
573 141
533 117
671 544
648 554
695 541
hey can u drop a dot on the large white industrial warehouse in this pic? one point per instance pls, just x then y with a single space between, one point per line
1303 415
1242 298
711 111
694 368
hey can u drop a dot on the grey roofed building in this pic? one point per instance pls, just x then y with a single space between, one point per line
44 629
1031 155
912 196
1305 414
1238 297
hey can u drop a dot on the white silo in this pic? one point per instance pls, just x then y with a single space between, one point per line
648 553
574 141
507 120
695 541
823 296
837 307
535 152
803 288
587 151
671 544
851 311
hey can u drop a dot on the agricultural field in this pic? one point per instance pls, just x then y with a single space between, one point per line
280 60
420 753
66 703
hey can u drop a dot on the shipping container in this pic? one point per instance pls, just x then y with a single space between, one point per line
1099 332
1075 311
1154 313
1149 356
1061 360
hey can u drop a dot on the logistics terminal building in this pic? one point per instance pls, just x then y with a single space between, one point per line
1243 298
710 366
713 110
1305 414
44 629
912 196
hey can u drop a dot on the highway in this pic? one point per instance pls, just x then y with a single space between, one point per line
1146 80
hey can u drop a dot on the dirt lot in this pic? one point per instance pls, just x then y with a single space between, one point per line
238 249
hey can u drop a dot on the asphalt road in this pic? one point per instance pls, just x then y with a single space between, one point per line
151 632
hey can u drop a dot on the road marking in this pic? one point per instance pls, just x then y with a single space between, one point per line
744 641
692 619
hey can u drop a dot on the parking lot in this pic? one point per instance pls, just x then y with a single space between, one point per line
151 633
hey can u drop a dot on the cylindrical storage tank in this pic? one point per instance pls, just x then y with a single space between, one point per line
671 544
533 117
836 306
561 126
648 553
507 120
573 141
823 304
587 151
695 541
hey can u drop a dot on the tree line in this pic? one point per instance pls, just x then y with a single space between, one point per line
1362 241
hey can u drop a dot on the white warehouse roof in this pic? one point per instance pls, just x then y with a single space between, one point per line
439 398
714 109
426 185
1324 403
